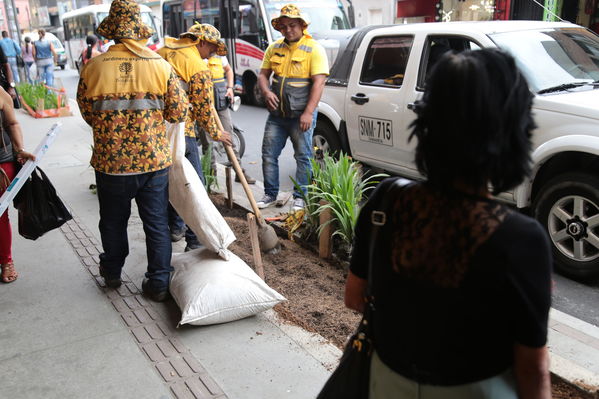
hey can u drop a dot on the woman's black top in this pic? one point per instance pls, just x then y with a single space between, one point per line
6 150
457 281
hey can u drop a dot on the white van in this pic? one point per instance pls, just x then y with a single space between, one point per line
61 59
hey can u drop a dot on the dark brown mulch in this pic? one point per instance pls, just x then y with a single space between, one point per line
314 289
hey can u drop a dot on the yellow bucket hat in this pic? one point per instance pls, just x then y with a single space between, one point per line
207 33
124 22
290 11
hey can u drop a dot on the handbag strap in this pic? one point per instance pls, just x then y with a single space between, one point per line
379 217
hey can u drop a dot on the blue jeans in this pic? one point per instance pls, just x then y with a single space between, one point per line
276 132
174 220
150 191
12 61
28 71
45 71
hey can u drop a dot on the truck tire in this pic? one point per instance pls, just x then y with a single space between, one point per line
325 139
568 207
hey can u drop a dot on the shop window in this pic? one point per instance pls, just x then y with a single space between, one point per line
386 61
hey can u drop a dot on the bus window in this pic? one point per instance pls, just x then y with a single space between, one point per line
251 26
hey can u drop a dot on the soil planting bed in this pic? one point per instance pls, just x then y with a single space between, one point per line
314 288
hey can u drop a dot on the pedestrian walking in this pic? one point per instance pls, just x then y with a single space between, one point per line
222 80
12 50
6 79
27 54
460 283
126 95
299 66
11 152
186 56
45 58
91 50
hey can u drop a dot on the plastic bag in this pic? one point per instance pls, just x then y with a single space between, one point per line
40 208
210 290
189 198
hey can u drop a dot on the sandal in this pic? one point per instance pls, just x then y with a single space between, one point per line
9 274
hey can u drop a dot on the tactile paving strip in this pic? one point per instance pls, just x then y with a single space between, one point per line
173 361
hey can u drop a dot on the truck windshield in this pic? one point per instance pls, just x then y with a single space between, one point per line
324 15
553 59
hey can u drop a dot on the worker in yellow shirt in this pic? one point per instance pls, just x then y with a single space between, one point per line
222 79
126 95
186 55
299 66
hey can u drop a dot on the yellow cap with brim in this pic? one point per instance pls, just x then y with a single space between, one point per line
290 11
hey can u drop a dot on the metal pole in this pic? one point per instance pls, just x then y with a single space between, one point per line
13 27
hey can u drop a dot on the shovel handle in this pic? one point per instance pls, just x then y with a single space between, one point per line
237 167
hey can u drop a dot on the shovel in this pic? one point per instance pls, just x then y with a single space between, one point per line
266 234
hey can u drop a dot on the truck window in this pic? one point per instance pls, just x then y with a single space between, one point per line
386 60
435 47
251 26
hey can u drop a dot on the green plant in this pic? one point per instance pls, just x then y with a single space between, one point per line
209 173
341 184
32 92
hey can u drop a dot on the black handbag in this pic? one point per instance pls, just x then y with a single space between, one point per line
351 378
40 208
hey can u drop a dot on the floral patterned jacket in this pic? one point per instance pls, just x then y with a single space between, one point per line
126 100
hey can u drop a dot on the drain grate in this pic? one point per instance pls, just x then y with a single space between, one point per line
174 362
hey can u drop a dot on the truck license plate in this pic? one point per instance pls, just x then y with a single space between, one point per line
376 130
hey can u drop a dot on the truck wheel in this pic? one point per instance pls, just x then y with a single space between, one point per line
325 139
568 207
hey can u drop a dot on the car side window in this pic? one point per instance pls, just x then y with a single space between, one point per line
435 47
386 60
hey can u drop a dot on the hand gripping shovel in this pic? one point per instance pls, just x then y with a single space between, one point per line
266 234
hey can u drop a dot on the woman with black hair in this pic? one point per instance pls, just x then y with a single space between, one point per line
91 51
461 283
27 54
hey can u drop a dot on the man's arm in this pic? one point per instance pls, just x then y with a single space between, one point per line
202 107
230 81
315 94
271 99
175 100
85 104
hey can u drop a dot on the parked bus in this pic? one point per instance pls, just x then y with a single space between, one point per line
78 24
245 25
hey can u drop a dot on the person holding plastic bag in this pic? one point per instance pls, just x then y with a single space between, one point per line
126 95
186 56
11 151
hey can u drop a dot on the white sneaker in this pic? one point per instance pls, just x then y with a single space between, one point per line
298 204
266 201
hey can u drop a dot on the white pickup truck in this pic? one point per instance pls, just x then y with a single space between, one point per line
366 110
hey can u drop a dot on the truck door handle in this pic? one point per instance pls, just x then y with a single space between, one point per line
360 98
412 106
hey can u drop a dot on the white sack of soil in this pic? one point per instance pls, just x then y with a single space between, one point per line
210 290
190 199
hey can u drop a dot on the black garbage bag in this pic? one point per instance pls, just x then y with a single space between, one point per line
40 208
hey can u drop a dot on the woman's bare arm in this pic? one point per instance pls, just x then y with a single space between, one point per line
531 368
14 129
355 292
